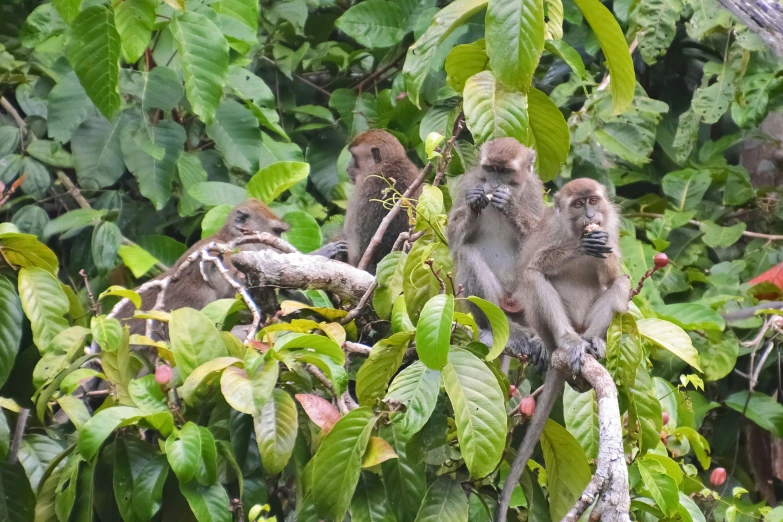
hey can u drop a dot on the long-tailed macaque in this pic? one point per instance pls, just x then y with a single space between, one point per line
378 160
573 285
191 289
497 206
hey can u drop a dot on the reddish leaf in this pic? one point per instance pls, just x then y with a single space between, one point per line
320 411
774 275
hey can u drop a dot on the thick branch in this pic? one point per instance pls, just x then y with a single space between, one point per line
763 17
270 268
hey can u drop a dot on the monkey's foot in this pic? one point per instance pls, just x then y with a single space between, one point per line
522 344
336 250
597 347
576 348
477 199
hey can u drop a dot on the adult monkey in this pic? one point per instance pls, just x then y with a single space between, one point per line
378 162
497 206
574 285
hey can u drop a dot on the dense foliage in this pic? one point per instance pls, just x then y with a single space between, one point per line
164 114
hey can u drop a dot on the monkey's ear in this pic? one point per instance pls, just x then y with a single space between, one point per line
532 161
376 155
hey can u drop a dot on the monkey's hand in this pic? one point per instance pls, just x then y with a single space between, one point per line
335 250
576 348
522 342
597 347
477 199
594 244
500 197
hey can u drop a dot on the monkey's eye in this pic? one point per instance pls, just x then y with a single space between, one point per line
593 200
506 170
578 203
279 229
489 168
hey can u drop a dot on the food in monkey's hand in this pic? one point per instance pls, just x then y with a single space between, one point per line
489 197
592 227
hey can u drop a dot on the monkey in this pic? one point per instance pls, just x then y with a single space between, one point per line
497 206
377 160
191 289
574 284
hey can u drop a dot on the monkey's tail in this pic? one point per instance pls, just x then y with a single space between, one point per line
552 385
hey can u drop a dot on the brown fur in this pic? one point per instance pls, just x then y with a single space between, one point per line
377 159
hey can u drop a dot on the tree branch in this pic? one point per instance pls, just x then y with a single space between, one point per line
769 237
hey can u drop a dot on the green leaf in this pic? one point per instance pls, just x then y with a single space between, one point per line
246 11
550 134
464 61
147 395
662 488
155 175
580 411
68 106
515 40
388 274
403 477
568 54
712 99
274 179
106 241
44 303
692 316
10 331
162 89
378 451
762 409
197 384
357 111
137 259
645 408
31 219
623 349
622 77
479 411
416 388
23 250
183 451
206 473
338 462
718 353
194 340
217 193
382 364
50 153
369 502
311 343
250 87
686 188
93 49
97 430
433 332
657 20
148 487
236 135
135 20
36 179
203 53
445 500
304 234
716 236
190 172
17 502
554 23
106 332
497 321
44 506
671 337
494 112
375 24
268 118
208 503
68 9
698 443
97 152
422 54
567 471
275 428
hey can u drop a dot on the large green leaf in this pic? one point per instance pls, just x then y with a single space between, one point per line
197 384
712 99
615 48
623 349
155 175
580 411
183 451
422 54
464 61
236 135
134 19
93 49
97 151
686 188
194 340
445 500
217 193
203 53
304 233
106 241
403 478
550 134
162 89
645 408
17 499
24 250
515 40
491 111
662 487
479 411
692 316
357 111
671 337
246 11
567 470
497 321
716 236
384 361
338 462
44 303
208 503
374 23
274 179
276 427
761 409
416 388
68 106
718 353
10 328
311 343
148 487
369 502
433 332
657 20
97 430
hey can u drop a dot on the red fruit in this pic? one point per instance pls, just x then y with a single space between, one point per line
665 418
512 390
527 407
162 374
661 260
718 476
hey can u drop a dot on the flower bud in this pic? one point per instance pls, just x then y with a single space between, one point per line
665 418
718 476
512 390
163 374
661 260
527 407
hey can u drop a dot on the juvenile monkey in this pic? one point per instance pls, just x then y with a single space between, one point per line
574 284
497 206
377 159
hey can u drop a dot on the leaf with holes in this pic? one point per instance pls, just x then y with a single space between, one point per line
686 188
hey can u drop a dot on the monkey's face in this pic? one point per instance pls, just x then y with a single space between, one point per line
513 174
586 210
365 159
248 223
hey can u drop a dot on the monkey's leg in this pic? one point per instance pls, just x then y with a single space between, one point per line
614 300
552 386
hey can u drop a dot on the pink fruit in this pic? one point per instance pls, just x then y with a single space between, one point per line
512 390
527 407
665 418
661 260
718 476
163 374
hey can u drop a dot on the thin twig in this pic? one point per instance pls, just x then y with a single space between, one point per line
351 347
377 74
14 114
446 154
301 79
95 306
769 237
353 314
436 273
21 423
